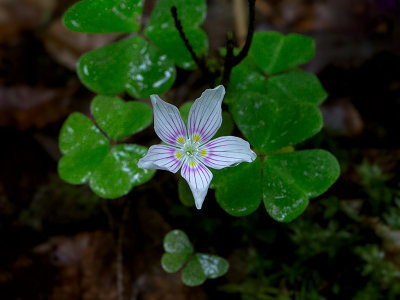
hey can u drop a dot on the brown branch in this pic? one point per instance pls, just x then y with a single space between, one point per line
226 74
199 62
232 60
250 32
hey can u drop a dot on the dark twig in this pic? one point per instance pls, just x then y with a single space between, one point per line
120 250
250 32
118 230
226 75
199 62
231 60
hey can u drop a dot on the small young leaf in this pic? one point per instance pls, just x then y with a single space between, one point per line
213 266
76 168
79 134
297 86
176 241
131 65
203 266
118 118
170 42
271 124
238 190
118 173
172 262
290 179
274 52
162 31
101 16
245 77
83 146
191 13
193 274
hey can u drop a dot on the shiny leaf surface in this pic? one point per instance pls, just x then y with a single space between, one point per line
170 42
245 77
291 179
172 262
203 266
118 173
101 16
176 241
131 65
297 86
274 52
270 124
238 189
83 146
118 118
162 31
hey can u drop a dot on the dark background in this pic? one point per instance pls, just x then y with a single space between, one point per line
59 241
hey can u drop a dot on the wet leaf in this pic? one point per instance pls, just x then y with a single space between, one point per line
176 241
118 173
238 190
162 31
119 119
204 266
297 86
170 42
101 16
274 52
245 77
271 124
291 179
83 146
132 65
172 262
192 274
87 157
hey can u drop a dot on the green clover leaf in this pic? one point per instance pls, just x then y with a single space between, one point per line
238 190
111 171
274 105
102 16
274 52
271 124
132 65
199 267
291 179
203 266
119 118
162 31
297 86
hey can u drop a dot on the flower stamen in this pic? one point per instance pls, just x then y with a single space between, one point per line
196 138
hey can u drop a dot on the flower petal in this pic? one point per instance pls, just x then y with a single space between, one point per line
205 116
168 123
198 176
226 151
162 157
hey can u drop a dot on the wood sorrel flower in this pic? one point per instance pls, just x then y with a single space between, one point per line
192 150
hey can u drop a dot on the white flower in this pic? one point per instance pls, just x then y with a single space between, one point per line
192 150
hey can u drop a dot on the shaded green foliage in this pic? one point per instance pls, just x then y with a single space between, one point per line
197 267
